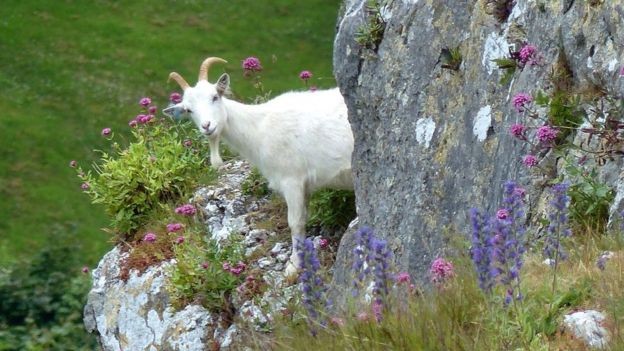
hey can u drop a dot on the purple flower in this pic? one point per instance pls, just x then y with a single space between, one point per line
174 227
305 75
363 237
188 143
558 226
601 262
520 101
403 277
252 64
528 54
517 130
312 286
85 186
530 161
149 237
152 109
186 210
176 98
546 134
180 239
441 270
85 269
480 251
205 265
133 123
323 243
622 71
502 214
106 132
145 101
73 163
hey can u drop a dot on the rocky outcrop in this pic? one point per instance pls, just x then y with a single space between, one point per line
431 142
137 314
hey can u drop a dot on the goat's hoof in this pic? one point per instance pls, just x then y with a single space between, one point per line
291 271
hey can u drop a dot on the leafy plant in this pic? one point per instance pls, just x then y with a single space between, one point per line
156 168
331 208
370 34
205 273
255 184
590 198
509 66
451 58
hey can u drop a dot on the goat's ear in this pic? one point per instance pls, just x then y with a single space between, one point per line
223 84
174 111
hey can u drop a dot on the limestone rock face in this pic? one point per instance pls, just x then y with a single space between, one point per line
432 142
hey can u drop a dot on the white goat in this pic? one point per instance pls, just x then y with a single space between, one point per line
300 141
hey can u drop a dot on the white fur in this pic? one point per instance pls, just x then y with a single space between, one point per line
300 141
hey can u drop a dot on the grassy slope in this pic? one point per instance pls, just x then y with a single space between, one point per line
70 68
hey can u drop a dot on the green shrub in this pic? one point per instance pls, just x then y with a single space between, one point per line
591 199
42 301
156 168
255 184
200 274
333 209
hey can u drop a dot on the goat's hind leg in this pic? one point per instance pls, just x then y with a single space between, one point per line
294 193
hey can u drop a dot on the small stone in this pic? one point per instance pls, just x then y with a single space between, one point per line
283 257
587 325
549 262
278 248
265 262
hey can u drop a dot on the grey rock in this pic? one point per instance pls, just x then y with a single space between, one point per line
587 325
430 143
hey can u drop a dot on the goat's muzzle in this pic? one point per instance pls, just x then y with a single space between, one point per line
206 128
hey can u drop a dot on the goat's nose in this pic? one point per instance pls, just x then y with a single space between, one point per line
206 125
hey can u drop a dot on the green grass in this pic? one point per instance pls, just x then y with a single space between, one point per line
71 68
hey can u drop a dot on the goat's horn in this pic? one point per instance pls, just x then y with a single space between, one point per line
203 69
178 78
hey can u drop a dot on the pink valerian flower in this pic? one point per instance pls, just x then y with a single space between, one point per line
528 54
174 227
236 270
187 143
546 134
204 265
179 240
403 277
323 243
517 130
106 132
362 317
133 123
305 75
73 163
441 270
85 269
502 214
521 101
622 71
145 101
176 98
186 210
149 237
530 161
252 64
85 186
521 192
152 109
339 322
377 308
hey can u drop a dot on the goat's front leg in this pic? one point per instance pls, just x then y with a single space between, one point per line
215 157
294 194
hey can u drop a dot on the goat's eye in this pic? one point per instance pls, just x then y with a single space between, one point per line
215 98
187 110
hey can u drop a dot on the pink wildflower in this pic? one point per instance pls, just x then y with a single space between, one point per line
149 237
530 161
546 134
377 308
441 270
204 265
252 64
528 54
305 75
133 123
85 186
521 100
106 132
323 243
622 71
517 130
186 210
502 214
339 322
176 98
403 277
180 240
145 101
152 109
188 143
85 269
362 317
519 191
226 266
174 227
73 163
